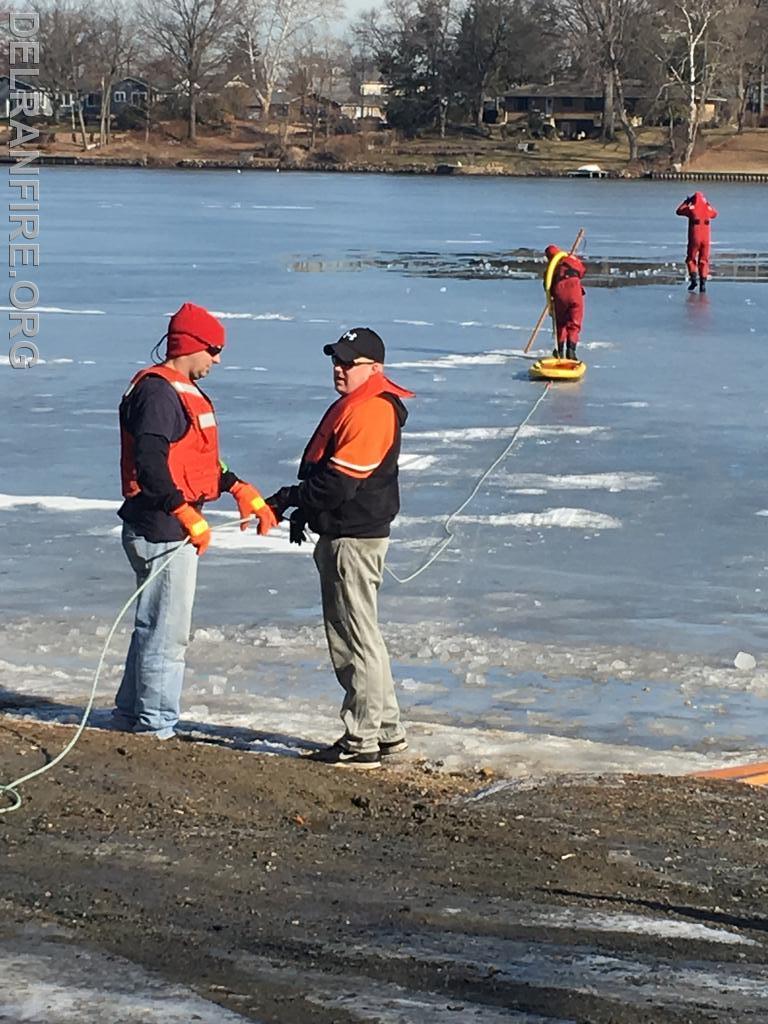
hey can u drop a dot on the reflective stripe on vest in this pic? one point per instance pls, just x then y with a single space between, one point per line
185 389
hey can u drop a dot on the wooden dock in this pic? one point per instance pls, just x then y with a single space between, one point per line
755 176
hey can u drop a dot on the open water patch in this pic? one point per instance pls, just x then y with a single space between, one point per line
526 264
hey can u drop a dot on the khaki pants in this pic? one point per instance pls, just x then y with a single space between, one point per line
350 570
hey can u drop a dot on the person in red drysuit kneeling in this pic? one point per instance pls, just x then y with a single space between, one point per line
700 214
562 283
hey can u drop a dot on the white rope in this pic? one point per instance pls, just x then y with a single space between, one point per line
10 789
443 544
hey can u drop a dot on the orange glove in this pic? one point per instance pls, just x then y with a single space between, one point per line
197 528
251 503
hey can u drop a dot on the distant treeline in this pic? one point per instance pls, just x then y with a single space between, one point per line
438 60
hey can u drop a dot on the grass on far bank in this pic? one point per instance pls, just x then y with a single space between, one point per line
244 141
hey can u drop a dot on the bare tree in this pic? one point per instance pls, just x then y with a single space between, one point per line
195 36
689 59
499 43
606 32
481 49
415 49
375 30
157 71
267 32
66 50
745 46
114 46
315 69
439 29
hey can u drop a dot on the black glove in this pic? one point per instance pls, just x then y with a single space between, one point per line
281 500
297 522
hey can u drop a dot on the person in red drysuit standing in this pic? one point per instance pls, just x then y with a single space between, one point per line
700 214
562 283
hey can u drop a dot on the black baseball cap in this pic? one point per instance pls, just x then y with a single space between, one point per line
359 343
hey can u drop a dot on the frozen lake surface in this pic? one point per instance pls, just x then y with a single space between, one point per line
587 613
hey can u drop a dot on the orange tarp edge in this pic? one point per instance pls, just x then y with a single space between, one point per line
755 774
755 780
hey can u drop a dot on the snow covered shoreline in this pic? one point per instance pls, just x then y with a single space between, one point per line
520 708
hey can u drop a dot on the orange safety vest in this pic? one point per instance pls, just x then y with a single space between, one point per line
323 444
193 460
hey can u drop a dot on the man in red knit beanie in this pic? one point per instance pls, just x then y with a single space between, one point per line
193 329
170 466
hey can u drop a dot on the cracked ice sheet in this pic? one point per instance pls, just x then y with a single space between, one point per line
613 482
567 518
44 978
266 689
496 433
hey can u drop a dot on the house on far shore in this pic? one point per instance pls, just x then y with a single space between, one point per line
39 101
343 100
370 101
128 93
575 109
279 108
571 108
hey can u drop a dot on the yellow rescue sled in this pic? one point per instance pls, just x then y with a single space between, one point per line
552 368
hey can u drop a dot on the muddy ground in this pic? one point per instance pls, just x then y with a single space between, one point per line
291 892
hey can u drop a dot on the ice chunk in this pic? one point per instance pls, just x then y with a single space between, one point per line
214 636
745 662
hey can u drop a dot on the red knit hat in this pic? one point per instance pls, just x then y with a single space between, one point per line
192 329
551 250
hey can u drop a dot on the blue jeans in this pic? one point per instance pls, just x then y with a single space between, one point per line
149 696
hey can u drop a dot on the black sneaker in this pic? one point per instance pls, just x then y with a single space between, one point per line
338 757
396 747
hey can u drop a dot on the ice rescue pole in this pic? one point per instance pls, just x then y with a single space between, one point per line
577 242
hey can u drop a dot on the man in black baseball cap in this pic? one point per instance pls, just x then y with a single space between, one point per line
348 494
359 343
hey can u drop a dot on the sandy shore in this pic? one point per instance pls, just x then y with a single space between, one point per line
271 889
